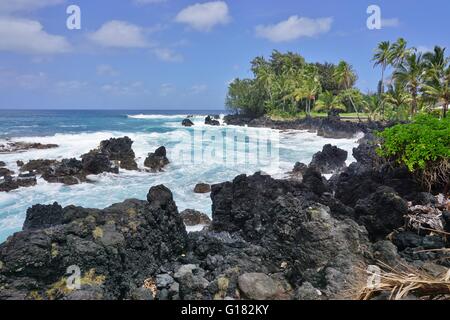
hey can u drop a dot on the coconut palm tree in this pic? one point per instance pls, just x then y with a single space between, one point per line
372 105
397 97
399 52
411 74
328 101
346 76
383 57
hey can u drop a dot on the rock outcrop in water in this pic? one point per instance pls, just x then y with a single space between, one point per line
120 150
11 147
187 123
330 160
211 121
157 160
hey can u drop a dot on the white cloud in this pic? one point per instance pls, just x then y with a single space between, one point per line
198 88
167 55
106 70
29 81
9 6
392 22
119 34
204 16
28 36
294 28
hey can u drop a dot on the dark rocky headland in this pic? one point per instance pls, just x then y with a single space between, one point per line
304 237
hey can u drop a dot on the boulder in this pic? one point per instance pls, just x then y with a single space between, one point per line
9 183
381 212
116 249
187 123
2 164
68 171
194 218
39 166
202 188
43 216
158 160
97 162
366 155
19 163
330 160
120 149
5 172
211 121
258 286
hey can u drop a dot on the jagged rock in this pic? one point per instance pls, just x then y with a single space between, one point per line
158 160
116 249
330 160
2 164
160 197
39 166
19 163
381 212
211 121
308 293
202 188
187 123
315 181
68 171
119 149
9 183
43 216
194 218
5 172
366 155
97 162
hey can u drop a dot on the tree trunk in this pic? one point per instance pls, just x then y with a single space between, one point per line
445 109
354 108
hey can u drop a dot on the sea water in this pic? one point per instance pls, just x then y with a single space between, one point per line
78 132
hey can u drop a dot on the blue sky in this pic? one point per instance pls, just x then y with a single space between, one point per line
180 54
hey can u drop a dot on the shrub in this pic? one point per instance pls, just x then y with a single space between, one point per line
423 146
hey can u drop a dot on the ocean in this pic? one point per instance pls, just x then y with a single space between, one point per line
198 154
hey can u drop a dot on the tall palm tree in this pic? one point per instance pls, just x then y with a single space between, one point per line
437 85
328 101
397 97
346 76
372 105
411 74
399 52
383 57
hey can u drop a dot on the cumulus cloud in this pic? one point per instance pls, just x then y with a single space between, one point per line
167 55
204 16
10 6
390 23
119 34
293 28
28 36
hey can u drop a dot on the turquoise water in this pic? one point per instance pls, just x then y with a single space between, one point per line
198 154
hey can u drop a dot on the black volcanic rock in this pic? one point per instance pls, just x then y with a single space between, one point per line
68 171
157 160
43 216
330 160
187 123
119 149
97 162
116 249
194 217
211 121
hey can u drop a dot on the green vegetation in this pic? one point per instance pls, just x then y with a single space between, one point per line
287 86
423 146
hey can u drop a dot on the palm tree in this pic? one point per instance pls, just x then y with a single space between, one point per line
372 105
383 57
399 52
397 97
411 75
346 76
437 85
328 101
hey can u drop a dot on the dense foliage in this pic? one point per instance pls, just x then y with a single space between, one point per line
423 146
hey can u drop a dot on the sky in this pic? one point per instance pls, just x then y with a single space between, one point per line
181 54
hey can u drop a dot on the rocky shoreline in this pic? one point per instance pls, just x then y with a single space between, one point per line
304 237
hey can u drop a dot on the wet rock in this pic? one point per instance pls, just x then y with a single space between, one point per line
315 181
211 121
68 171
5 172
194 218
187 123
97 162
366 155
120 149
202 188
158 160
43 216
39 166
330 160
2 164
160 197
381 212
11 147
19 163
9 183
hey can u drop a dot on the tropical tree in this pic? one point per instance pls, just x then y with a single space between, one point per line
397 98
411 74
383 57
372 105
346 77
328 101
399 52
437 85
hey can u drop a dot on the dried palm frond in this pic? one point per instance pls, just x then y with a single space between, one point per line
403 280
